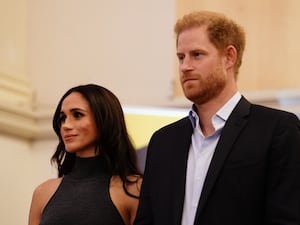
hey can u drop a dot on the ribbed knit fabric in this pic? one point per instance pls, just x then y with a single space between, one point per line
83 197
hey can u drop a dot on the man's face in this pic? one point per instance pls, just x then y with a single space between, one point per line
201 67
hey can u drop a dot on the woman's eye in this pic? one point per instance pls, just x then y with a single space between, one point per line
62 118
78 114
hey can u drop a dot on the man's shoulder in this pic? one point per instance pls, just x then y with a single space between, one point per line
179 124
271 111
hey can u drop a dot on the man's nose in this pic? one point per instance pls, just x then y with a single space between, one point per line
186 64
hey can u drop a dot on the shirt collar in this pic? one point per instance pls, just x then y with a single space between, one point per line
224 112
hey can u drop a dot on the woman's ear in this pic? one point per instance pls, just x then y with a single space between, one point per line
230 56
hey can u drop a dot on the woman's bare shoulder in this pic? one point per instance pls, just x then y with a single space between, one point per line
41 195
48 185
44 191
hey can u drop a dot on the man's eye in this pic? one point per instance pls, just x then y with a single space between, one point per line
197 54
180 57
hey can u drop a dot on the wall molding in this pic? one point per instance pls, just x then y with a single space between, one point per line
16 84
17 121
18 115
25 123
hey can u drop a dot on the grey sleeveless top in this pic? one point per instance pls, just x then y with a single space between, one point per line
83 197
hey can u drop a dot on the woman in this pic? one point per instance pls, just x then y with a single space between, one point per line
98 180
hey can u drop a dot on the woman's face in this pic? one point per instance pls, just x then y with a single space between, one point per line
78 127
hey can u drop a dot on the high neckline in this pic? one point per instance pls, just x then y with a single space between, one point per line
88 167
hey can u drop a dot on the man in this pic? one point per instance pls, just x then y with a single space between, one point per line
229 162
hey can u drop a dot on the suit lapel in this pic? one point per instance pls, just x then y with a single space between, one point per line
180 144
231 130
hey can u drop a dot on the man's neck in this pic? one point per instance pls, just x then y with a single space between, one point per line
207 110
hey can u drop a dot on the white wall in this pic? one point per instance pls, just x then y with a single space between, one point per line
16 186
127 46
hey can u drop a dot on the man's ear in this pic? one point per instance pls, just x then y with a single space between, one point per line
230 55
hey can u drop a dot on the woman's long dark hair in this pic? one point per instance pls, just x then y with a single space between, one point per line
113 140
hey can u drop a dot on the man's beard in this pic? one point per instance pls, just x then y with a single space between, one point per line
210 87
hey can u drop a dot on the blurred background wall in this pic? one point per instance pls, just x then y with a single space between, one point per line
48 46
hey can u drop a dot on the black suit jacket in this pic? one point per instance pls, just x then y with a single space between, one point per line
253 178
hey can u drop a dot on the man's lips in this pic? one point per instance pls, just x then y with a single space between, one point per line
188 79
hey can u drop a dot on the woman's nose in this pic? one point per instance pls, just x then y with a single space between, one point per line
66 124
